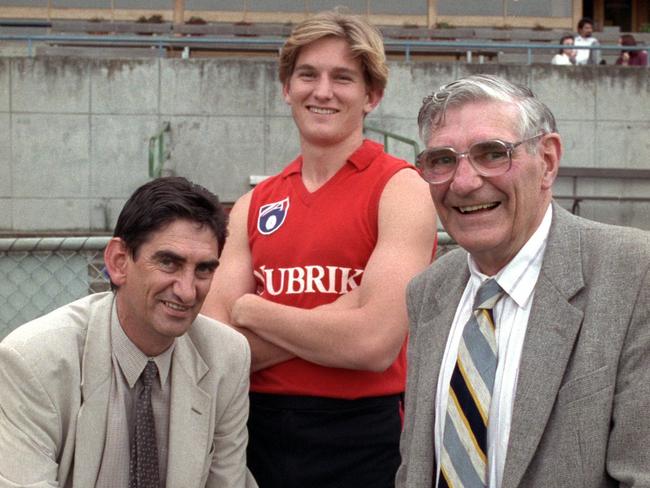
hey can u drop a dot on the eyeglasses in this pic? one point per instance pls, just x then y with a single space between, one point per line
489 158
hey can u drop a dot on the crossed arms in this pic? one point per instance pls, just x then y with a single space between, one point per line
365 328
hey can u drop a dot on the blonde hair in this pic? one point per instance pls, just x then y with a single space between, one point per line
364 39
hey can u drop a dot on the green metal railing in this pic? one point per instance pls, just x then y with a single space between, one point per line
391 135
158 152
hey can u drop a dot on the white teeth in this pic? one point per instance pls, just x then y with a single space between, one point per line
323 111
174 306
472 208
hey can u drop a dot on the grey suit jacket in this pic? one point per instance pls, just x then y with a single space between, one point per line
581 413
55 376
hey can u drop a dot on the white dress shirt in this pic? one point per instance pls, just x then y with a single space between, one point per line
586 56
518 279
128 363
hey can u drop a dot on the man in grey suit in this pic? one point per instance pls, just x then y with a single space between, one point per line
74 408
554 356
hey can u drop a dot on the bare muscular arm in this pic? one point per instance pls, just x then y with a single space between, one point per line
366 329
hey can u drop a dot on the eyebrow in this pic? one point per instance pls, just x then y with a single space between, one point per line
166 254
336 69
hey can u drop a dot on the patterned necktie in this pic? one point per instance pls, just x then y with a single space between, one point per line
143 468
463 461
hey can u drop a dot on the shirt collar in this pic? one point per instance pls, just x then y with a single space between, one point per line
131 359
519 277
360 158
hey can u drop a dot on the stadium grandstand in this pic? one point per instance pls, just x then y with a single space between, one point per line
99 96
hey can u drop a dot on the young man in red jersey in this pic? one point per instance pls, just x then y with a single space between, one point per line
315 270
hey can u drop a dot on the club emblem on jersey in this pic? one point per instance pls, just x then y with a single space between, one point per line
272 216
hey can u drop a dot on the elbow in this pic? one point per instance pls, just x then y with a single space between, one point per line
375 359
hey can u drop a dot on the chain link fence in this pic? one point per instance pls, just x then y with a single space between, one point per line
38 275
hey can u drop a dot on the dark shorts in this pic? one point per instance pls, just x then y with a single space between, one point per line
314 442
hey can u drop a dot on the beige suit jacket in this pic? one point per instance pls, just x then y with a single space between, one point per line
54 390
580 413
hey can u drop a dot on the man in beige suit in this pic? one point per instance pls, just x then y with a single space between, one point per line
544 380
70 381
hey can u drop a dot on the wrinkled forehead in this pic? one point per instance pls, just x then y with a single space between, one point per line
478 119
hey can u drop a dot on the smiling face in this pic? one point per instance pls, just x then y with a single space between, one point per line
493 217
161 291
328 94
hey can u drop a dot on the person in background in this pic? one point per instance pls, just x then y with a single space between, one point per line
315 270
565 56
631 58
529 347
132 387
585 38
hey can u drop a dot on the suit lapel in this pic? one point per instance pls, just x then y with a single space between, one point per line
95 389
552 330
434 330
438 305
190 417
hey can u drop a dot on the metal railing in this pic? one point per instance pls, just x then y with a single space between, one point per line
576 173
273 44
158 151
391 135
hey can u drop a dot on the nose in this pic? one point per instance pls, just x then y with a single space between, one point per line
323 88
466 179
185 287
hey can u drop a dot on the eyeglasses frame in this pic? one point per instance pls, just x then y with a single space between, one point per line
510 147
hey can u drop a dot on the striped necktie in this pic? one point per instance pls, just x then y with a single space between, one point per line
463 462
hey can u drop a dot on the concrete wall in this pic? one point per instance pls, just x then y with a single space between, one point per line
74 132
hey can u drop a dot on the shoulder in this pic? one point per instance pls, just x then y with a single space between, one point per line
615 245
388 163
610 251
625 242
271 182
406 185
215 340
440 272
271 190
241 206
47 353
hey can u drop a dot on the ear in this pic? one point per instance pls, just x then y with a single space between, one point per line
551 154
285 92
373 97
116 258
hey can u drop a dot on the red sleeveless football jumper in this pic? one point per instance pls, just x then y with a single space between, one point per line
308 249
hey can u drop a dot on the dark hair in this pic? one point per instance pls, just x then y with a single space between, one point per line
164 200
628 40
583 21
564 38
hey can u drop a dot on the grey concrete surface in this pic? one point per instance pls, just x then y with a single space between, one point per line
51 157
50 85
125 87
236 151
6 213
5 156
119 152
61 214
4 84
74 132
